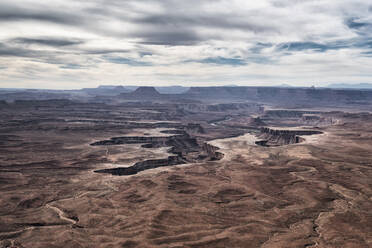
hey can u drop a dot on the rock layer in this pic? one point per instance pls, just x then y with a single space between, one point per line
277 137
186 149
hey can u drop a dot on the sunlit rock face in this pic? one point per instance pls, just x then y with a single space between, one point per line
278 137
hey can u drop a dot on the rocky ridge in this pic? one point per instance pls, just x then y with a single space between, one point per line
278 137
186 149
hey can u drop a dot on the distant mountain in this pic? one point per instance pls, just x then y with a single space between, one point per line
145 91
106 90
175 89
32 95
142 93
284 86
11 89
351 86
112 90
109 87
172 89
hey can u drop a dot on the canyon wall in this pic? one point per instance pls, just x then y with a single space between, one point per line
278 137
186 149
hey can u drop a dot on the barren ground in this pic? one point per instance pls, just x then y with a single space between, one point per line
317 193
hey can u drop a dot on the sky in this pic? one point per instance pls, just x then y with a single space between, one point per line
69 44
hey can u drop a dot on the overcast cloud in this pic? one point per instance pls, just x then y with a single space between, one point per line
74 44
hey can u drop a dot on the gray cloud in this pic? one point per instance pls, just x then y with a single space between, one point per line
354 43
248 36
8 51
353 23
54 42
42 56
361 27
170 37
10 12
244 23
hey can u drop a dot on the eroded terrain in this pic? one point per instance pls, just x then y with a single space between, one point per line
183 175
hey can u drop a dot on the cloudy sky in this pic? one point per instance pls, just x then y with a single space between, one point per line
74 44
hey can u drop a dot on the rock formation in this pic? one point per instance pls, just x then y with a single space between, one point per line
143 93
278 137
183 146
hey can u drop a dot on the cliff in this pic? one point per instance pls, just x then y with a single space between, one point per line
185 148
278 137
142 93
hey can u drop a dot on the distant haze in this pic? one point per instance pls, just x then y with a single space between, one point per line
72 44
351 86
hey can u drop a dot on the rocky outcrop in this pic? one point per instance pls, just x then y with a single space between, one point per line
143 165
299 117
211 152
278 137
146 92
143 93
186 149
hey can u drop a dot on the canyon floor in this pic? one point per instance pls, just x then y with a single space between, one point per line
202 177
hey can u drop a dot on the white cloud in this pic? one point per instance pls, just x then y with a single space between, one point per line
190 42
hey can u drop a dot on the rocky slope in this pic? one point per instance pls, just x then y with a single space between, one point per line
184 147
278 137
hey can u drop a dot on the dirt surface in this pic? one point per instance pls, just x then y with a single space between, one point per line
315 193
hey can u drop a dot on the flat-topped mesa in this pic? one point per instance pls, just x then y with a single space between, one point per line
143 93
278 137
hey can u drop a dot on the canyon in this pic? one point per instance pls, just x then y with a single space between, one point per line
205 167
277 137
